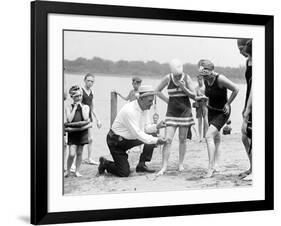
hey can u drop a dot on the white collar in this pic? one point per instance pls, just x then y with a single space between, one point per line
137 106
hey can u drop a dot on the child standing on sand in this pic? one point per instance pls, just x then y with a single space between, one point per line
88 99
77 114
201 109
134 93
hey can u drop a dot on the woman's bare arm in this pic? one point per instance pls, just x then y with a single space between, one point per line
163 83
77 124
248 108
189 88
71 129
225 82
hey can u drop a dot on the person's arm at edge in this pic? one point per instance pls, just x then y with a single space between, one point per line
248 108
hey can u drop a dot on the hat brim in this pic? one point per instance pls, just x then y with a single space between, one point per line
76 95
150 93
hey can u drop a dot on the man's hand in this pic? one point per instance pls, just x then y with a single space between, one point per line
161 141
160 125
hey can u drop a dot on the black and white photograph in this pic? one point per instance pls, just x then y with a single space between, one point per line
149 112
155 112
140 112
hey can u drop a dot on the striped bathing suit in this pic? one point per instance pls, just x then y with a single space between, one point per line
179 108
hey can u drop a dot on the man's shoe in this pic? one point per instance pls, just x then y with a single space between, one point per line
101 167
143 169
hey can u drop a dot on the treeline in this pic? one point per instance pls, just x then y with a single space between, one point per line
140 68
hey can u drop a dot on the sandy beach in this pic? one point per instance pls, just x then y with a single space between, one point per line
233 156
232 162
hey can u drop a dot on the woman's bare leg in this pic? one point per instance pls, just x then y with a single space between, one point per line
200 128
211 133
205 126
246 141
182 145
169 132
78 160
217 141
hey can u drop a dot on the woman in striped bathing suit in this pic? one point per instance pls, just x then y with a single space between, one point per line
216 86
179 114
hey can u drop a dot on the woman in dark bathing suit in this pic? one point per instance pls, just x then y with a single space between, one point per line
216 86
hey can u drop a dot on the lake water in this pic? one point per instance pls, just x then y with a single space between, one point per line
104 84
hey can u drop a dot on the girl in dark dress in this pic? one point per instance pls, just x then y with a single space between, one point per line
216 86
77 115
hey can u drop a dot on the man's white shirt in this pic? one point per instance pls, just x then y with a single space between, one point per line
133 123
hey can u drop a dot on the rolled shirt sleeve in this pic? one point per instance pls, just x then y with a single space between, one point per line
149 127
133 126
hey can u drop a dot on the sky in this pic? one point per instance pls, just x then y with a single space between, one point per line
132 47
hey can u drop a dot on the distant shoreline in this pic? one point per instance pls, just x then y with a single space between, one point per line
151 69
239 81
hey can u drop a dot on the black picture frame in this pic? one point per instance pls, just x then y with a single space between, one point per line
39 112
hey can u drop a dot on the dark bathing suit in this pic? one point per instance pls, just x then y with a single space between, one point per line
88 100
217 100
78 137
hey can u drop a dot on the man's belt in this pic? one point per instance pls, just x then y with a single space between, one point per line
113 135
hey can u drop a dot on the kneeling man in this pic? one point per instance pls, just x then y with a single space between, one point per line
130 129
